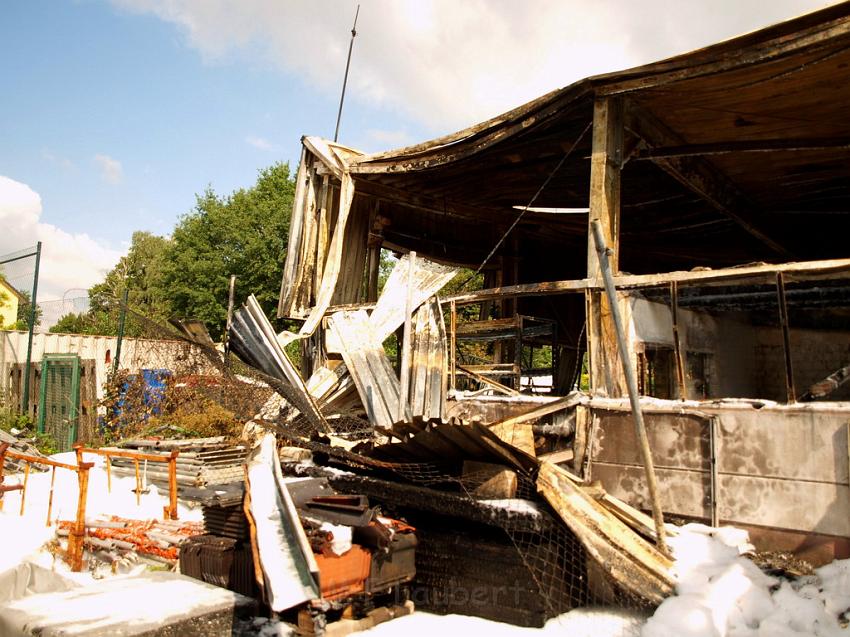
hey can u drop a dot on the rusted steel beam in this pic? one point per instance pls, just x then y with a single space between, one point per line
138 483
24 488
78 529
35 460
50 496
170 511
3 447
631 384
122 453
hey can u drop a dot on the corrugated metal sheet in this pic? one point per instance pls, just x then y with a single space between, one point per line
368 365
428 374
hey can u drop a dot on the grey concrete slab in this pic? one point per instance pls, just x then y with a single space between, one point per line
161 604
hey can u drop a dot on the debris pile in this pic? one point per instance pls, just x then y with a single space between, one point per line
202 461
117 540
17 442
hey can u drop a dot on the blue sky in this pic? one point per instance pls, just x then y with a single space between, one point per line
114 114
90 80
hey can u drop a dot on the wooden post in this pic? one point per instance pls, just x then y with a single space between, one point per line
325 204
374 266
606 372
50 497
453 343
406 344
3 447
677 345
24 490
138 483
171 509
518 352
78 530
109 474
786 338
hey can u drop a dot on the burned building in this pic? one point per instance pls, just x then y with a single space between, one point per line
714 185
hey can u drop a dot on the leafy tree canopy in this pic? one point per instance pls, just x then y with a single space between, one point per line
188 274
25 312
243 234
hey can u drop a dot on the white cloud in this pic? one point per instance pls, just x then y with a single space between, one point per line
260 143
384 139
68 260
62 162
110 169
448 64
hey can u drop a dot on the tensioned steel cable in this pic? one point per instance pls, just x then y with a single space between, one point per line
529 204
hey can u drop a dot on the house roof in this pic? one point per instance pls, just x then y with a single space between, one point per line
10 288
734 153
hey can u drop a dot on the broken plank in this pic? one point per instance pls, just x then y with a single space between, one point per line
633 563
556 457
638 520
519 435
489 481
488 381
536 413
742 274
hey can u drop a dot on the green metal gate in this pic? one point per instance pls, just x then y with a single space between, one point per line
59 401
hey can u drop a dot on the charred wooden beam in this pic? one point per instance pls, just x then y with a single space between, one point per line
731 276
815 31
700 176
742 146
606 371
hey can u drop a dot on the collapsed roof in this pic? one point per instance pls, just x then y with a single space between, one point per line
734 153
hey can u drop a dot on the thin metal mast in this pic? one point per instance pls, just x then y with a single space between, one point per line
345 79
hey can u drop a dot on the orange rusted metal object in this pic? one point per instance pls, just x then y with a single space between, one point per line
169 511
344 575
78 530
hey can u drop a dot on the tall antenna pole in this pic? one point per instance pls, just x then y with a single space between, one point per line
345 79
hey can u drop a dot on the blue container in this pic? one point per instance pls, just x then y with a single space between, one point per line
155 381
153 392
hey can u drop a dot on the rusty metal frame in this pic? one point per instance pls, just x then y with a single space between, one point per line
74 554
170 510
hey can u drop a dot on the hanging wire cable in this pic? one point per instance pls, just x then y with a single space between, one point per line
528 205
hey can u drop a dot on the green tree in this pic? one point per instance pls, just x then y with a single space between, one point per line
141 272
244 234
25 313
71 323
